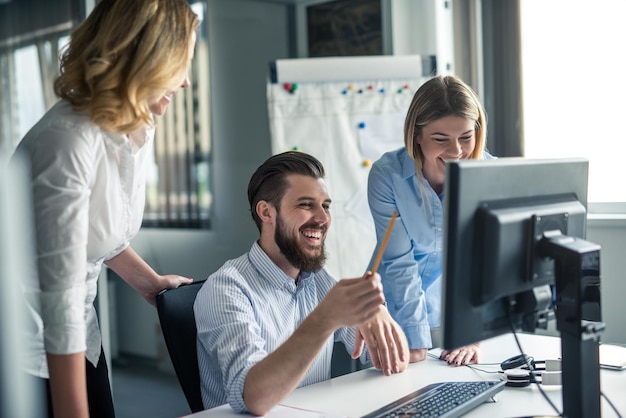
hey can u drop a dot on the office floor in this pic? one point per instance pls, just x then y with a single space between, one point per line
140 389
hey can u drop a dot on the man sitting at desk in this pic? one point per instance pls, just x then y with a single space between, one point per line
267 320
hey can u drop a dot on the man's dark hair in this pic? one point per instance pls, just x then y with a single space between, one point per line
269 180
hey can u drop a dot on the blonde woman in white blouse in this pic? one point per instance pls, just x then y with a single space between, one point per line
88 158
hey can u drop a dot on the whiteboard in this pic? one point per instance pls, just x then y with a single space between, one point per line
347 125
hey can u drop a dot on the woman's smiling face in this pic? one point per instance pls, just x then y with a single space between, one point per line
446 139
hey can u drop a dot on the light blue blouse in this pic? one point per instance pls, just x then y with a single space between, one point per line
411 264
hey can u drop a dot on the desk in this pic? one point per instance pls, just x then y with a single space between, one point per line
356 394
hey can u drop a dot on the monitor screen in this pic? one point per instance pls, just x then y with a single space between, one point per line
496 212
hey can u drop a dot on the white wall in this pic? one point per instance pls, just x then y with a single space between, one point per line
423 27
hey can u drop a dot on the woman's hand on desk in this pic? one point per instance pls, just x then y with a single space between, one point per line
386 343
461 356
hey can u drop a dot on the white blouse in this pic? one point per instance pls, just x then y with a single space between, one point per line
88 195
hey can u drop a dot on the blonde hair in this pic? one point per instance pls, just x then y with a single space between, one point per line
439 97
126 53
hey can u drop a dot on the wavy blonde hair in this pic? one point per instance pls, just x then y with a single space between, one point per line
126 53
439 97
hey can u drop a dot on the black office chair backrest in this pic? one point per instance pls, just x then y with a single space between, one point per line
175 308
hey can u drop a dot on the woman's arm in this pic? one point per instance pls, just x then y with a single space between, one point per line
399 268
61 168
141 277
68 385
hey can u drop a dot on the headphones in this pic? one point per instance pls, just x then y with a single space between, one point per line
520 371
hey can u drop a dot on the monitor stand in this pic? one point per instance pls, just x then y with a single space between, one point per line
578 315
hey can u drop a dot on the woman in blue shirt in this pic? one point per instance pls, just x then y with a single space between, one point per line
445 122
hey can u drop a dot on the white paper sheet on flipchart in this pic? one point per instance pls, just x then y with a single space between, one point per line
345 132
379 134
358 206
348 126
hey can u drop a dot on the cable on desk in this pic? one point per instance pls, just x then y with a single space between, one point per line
473 367
531 368
532 375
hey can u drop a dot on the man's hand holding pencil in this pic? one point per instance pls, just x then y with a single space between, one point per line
385 340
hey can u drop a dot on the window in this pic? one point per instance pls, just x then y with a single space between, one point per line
28 84
178 192
573 61
26 73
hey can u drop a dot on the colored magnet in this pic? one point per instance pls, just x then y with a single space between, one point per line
290 87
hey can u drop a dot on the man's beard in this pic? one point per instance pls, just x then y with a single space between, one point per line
290 247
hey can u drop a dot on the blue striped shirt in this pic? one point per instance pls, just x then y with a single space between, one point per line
247 309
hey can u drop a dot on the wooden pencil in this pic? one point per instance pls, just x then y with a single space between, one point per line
379 255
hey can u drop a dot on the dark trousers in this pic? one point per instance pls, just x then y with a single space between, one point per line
98 390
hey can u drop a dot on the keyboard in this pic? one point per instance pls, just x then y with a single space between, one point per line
445 399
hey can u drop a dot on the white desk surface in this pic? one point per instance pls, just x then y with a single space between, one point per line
356 394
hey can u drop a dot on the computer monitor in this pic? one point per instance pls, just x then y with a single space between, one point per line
514 253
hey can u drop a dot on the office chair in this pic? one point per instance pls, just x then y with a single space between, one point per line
175 308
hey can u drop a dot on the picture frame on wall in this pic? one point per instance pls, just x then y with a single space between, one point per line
344 28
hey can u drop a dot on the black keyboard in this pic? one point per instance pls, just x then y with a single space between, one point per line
445 399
